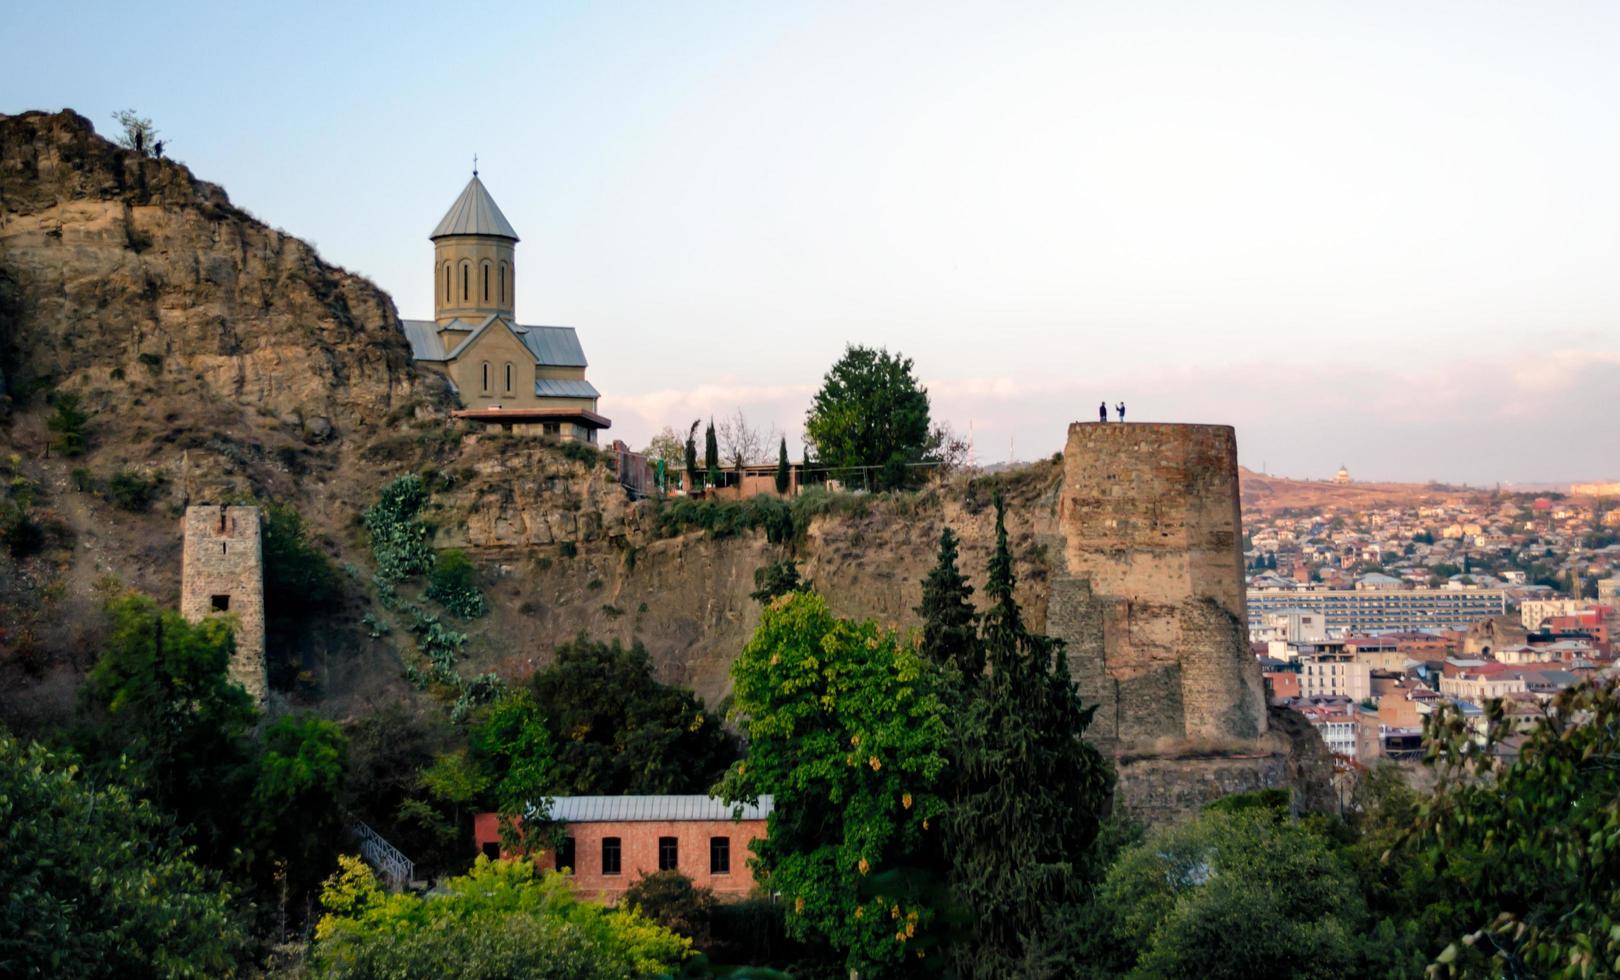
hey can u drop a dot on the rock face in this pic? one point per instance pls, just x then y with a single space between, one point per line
1152 612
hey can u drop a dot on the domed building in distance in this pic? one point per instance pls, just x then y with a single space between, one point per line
524 378
1342 477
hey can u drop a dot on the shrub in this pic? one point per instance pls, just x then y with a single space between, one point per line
670 899
67 424
399 542
134 492
454 585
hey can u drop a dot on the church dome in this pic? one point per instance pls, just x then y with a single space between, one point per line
474 213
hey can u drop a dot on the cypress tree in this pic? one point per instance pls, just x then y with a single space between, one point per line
711 455
691 456
949 635
783 477
1029 798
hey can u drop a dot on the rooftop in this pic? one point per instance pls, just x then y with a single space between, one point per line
474 213
588 809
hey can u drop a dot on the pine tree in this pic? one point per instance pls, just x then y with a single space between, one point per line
949 636
711 455
1029 799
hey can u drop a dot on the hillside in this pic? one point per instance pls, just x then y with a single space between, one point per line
222 359
1264 494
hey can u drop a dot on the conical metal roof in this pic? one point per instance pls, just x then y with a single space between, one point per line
474 213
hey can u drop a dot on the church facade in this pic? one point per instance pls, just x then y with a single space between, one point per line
523 378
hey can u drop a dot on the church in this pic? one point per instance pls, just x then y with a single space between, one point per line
526 379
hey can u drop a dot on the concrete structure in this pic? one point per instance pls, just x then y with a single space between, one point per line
611 841
526 379
222 574
1533 612
1153 610
1371 610
1340 674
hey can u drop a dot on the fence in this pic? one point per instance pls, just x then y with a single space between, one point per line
638 475
396 869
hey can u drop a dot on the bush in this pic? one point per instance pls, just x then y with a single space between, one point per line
670 899
399 542
728 518
454 585
22 534
67 424
134 492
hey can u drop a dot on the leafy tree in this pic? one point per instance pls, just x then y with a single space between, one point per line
389 749
844 727
670 899
870 411
137 132
1029 794
296 826
776 579
514 749
666 445
1529 844
615 729
298 576
454 585
94 885
1237 894
67 423
950 636
711 455
503 919
784 473
159 695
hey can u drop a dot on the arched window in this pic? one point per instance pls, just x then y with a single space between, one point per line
508 377
447 282
503 282
486 282
466 270
486 376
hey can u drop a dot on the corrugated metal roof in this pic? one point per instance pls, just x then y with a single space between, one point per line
588 809
474 213
557 346
424 338
565 388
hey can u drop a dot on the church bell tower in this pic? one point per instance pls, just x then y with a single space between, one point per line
473 266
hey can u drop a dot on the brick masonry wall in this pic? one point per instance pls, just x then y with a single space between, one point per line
1153 544
222 557
638 853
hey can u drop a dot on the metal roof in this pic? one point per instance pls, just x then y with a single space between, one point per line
557 346
588 809
565 388
424 338
551 346
474 213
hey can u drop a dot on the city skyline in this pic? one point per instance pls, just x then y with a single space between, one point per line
1374 236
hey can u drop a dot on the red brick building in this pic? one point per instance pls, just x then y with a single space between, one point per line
611 841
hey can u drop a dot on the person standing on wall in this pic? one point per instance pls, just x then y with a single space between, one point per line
1120 408
1102 411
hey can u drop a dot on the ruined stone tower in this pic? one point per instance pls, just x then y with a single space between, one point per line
1153 615
222 573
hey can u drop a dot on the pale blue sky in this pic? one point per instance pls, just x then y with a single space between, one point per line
1386 235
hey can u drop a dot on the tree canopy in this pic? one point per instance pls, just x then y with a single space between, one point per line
870 411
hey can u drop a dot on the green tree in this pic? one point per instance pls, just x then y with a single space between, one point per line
784 474
1528 842
296 824
94 884
616 729
670 899
693 480
950 636
159 695
514 750
1029 794
870 411
1239 894
666 446
711 455
454 585
67 423
301 586
776 579
503 919
136 132
844 726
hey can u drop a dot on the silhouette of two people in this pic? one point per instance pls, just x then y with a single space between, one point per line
1102 411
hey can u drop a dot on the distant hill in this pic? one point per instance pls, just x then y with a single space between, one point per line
1270 494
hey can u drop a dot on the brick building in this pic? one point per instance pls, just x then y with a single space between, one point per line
611 841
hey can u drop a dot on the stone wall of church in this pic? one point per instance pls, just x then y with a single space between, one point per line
222 574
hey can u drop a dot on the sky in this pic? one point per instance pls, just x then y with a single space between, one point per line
1383 235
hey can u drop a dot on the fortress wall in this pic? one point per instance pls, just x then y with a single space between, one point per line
223 566
1149 516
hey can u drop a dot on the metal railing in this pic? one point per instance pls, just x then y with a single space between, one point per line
396 869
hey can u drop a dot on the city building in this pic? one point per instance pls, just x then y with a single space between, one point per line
1334 674
611 841
1373 610
523 378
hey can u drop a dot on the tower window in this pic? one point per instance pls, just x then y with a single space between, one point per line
668 854
464 273
503 282
610 855
486 283
447 282
219 603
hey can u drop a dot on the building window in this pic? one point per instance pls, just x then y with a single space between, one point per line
465 270
669 854
719 855
509 378
220 603
565 854
447 282
503 282
486 282
486 376
610 855
550 428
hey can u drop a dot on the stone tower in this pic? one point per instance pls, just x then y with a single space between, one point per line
222 573
474 268
1153 610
